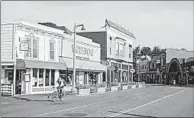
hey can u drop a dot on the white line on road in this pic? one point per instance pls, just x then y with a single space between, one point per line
129 110
84 106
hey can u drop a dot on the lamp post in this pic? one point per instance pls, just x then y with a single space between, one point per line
74 47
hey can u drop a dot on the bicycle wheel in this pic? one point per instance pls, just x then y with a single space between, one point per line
54 96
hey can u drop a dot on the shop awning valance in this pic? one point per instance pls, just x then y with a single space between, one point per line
82 65
23 64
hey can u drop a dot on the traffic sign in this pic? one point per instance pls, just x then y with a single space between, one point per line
132 70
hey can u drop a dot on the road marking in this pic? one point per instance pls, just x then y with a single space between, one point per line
129 110
47 113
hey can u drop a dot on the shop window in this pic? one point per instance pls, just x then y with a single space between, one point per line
41 77
52 50
52 77
47 77
35 78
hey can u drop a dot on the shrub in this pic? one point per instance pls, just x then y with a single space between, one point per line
101 85
82 86
113 84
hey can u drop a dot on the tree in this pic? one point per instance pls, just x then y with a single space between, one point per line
156 51
145 51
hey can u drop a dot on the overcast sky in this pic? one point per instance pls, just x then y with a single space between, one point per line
163 23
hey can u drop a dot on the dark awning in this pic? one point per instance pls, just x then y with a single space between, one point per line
23 64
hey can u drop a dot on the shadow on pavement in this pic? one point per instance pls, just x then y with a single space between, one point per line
133 114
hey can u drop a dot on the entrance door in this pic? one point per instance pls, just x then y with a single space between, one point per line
19 81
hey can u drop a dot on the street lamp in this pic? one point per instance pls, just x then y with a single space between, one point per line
74 47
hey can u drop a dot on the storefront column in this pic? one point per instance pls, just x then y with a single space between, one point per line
14 80
87 78
31 75
121 76
49 77
44 75
56 77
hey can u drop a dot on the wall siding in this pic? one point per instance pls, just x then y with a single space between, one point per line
7 43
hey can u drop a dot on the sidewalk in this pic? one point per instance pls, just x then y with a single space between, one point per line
38 97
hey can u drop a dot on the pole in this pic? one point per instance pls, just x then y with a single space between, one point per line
74 46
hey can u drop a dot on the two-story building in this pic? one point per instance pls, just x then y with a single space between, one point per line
116 49
34 56
143 70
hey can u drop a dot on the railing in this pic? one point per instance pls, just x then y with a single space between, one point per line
7 89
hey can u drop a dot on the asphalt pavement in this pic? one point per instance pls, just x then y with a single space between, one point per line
151 101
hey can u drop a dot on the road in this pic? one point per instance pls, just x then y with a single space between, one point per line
152 101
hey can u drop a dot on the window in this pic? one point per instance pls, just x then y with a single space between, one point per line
41 77
110 45
130 46
121 50
47 77
117 48
35 48
35 79
30 48
52 50
52 77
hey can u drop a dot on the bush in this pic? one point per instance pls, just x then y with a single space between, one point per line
101 85
82 86
113 84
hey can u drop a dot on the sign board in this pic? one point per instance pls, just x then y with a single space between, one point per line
27 77
111 68
132 70
24 46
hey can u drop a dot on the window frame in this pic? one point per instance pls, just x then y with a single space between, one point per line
54 49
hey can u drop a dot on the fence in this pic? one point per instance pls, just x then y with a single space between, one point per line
7 89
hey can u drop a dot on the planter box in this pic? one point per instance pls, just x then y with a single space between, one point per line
125 87
93 90
114 88
83 92
67 88
139 85
132 86
101 90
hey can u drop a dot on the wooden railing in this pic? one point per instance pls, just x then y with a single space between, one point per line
7 89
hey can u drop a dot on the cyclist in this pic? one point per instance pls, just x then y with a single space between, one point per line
61 84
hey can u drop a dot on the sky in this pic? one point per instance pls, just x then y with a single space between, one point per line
168 24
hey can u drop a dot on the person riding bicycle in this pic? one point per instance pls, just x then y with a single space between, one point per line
61 84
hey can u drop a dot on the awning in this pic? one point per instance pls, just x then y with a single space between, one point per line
82 65
23 64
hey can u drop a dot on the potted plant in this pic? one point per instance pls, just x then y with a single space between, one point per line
132 85
83 89
101 88
93 88
124 86
114 86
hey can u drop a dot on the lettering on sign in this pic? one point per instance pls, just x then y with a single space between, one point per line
83 50
82 58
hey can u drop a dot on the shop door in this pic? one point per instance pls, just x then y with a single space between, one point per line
19 81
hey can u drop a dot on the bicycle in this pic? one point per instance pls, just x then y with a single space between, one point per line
56 94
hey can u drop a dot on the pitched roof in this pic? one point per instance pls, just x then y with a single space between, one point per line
119 28
50 24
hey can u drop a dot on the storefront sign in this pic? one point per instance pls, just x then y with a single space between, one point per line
83 50
82 58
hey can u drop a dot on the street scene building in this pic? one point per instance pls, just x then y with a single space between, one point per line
116 50
49 56
97 59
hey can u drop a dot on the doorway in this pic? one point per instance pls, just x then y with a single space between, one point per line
19 77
